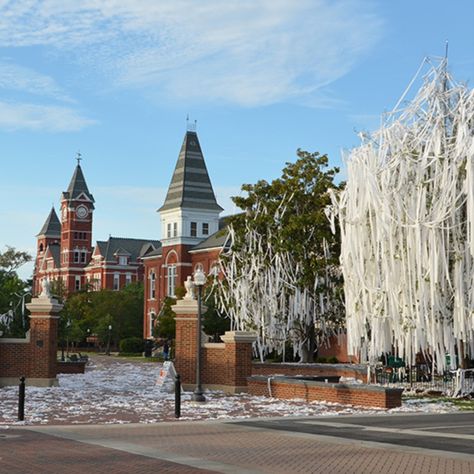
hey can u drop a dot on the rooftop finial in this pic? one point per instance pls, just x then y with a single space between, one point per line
446 50
190 126
78 157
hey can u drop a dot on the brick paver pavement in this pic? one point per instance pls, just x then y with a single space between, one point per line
228 448
26 452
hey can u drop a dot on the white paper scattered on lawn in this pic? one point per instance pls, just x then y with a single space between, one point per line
116 392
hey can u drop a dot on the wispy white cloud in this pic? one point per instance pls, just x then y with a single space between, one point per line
50 118
247 52
19 78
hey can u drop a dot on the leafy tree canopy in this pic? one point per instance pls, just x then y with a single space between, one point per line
282 268
14 293
12 259
97 310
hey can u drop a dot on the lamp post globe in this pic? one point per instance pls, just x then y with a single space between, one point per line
108 340
199 282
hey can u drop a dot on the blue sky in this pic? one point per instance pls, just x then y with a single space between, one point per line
115 79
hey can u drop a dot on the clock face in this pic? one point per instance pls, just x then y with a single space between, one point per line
82 212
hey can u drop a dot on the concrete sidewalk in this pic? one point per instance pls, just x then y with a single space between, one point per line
208 447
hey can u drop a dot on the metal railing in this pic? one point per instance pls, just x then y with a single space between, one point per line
418 378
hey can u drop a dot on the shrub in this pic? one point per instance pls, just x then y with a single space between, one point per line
333 360
131 344
321 360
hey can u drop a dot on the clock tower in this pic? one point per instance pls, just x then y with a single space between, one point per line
77 206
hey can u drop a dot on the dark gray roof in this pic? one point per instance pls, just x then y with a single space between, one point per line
190 185
77 186
51 226
118 245
153 253
55 250
217 239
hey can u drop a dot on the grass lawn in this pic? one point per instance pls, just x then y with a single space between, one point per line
461 403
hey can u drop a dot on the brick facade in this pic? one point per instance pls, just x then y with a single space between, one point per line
33 357
66 250
355 371
224 365
356 395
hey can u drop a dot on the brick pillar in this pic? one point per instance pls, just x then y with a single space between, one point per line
186 333
43 340
238 355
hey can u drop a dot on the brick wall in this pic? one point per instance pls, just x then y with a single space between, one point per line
13 360
33 357
67 367
357 395
223 365
336 346
356 371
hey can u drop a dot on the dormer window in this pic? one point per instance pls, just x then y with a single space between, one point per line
193 229
123 260
205 228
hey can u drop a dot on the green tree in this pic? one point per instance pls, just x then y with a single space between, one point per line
214 323
165 326
14 293
96 310
12 259
288 216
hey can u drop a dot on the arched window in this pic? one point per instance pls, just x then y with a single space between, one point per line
41 247
171 274
152 322
152 285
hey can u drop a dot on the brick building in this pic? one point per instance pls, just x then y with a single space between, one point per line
65 249
191 231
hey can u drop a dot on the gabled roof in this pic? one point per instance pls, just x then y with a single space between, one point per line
52 251
153 253
55 251
51 226
135 248
190 185
216 240
122 252
78 186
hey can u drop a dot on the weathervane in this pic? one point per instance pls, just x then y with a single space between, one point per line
78 157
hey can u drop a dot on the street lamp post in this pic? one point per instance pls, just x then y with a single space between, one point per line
68 325
108 340
199 281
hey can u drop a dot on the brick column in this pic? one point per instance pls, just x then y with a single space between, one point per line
186 333
238 355
43 341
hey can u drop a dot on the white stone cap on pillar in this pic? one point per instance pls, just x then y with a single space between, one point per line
239 336
44 306
187 306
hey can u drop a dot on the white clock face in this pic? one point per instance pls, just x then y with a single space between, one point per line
82 212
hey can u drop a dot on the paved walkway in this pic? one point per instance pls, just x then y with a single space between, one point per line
212 447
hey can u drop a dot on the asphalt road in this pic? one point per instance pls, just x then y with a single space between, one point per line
453 432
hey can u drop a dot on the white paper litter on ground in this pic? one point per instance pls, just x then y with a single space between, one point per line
113 391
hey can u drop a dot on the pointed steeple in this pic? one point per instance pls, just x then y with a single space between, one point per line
77 186
52 226
190 186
